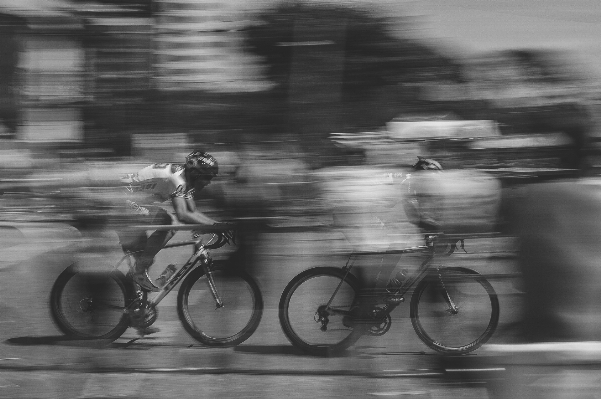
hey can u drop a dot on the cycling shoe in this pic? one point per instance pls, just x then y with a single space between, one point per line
142 279
147 330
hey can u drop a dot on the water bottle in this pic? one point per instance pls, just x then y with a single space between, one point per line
166 275
397 281
393 287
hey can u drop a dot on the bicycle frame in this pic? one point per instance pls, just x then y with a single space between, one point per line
428 249
201 255
439 299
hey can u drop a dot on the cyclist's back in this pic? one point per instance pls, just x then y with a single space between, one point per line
158 182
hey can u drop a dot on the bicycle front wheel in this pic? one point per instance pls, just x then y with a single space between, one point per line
229 324
313 307
454 310
90 305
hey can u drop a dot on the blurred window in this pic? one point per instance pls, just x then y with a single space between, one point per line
53 71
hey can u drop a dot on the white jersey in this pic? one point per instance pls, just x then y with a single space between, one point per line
159 182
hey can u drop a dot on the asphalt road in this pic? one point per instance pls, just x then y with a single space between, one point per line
37 362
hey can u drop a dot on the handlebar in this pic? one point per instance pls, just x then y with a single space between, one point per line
220 234
220 241
201 228
219 237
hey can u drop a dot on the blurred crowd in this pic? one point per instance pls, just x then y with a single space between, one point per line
331 148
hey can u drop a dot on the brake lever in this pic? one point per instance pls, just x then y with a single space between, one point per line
452 249
463 245
230 236
454 246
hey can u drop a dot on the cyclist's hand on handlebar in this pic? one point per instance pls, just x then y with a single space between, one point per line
227 231
230 236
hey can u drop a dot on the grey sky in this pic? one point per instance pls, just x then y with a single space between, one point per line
481 25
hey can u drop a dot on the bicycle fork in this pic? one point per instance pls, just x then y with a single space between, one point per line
212 287
452 307
206 262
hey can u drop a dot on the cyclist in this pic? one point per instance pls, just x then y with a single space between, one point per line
154 185
364 311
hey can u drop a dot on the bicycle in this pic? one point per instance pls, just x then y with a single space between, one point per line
218 304
453 310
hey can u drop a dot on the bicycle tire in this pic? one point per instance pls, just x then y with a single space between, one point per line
229 325
464 331
90 304
306 295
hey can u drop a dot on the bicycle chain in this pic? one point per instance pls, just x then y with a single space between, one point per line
141 315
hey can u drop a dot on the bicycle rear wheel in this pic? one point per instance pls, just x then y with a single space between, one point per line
225 326
90 305
307 320
454 310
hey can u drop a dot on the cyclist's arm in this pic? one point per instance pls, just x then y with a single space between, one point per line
186 212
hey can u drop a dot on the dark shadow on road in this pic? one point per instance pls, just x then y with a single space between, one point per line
59 340
62 340
291 350
269 349
148 343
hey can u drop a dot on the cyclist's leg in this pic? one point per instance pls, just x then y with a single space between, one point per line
152 245
135 240
157 240
374 273
364 232
132 240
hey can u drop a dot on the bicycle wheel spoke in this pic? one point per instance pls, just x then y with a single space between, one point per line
90 305
307 319
103 305
454 314
236 317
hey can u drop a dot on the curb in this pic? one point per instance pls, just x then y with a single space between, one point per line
471 374
77 368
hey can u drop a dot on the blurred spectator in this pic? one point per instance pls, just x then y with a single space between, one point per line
559 235
558 228
266 187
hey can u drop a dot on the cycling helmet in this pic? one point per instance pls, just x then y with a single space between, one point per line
426 164
199 163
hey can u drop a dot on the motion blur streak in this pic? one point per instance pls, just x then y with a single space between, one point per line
315 111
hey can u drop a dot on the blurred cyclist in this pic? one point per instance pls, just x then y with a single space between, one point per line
427 221
364 311
154 185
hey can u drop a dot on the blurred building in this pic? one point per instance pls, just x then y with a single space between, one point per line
79 71
118 42
62 58
42 75
198 47
108 73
